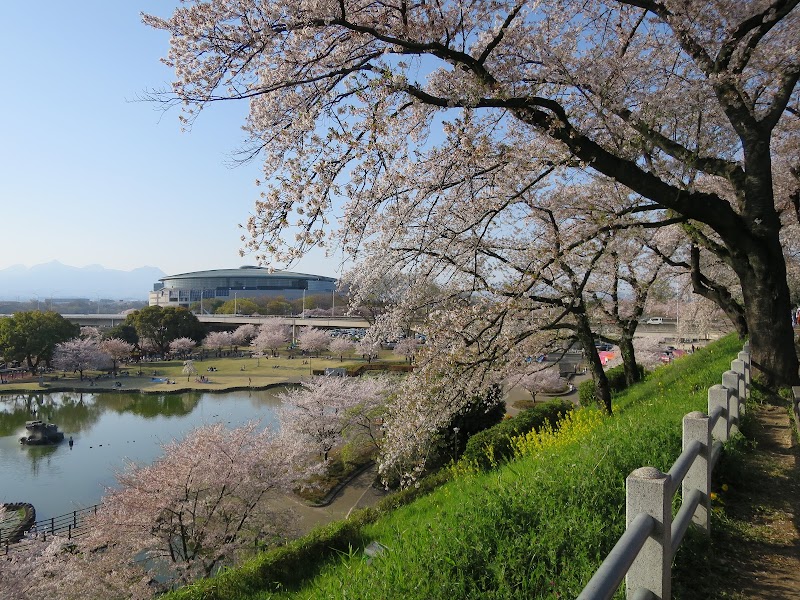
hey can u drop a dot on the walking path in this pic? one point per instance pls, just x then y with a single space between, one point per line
762 560
358 493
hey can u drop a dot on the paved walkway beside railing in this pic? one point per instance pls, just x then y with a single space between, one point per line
643 555
68 525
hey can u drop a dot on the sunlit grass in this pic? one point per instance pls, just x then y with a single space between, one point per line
229 373
537 527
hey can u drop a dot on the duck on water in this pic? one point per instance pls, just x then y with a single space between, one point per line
41 433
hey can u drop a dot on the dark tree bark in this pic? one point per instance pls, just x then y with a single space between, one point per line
632 372
718 294
583 331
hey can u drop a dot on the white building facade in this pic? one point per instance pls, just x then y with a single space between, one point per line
228 284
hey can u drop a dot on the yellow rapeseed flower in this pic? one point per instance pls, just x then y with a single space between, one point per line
573 427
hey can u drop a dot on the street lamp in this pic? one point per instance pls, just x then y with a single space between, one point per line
202 293
235 311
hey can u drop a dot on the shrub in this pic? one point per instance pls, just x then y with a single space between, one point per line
493 445
616 383
477 416
616 378
355 371
586 394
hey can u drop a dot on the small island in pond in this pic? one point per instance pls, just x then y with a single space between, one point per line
41 433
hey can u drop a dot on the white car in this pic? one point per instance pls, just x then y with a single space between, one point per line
655 321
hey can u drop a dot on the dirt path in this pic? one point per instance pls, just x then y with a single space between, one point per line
763 558
358 493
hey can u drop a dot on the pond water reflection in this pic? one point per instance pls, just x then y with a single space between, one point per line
109 430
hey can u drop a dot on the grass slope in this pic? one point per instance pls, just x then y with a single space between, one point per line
537 527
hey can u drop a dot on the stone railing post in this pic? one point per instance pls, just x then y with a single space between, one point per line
740 368
646 492
744 356
697 426
730 380
720 396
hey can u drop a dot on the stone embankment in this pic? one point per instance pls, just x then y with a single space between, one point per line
17 519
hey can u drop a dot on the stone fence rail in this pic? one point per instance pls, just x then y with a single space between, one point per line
643 555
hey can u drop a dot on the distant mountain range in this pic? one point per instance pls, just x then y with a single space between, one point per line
56 280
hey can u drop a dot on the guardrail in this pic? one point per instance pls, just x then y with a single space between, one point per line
643 555
68 525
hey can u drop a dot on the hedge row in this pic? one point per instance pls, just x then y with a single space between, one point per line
379 366
492 446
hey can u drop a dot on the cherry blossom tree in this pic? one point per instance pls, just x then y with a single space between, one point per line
313 340
61 569
118 350
649 351
189 369
80 354
369 345
205 503
407 348
634 261
695 315
200 506
181 346
341 346
88 331
271 337
710 278
244 334
148 345
692 106
543 381
321 412
217 340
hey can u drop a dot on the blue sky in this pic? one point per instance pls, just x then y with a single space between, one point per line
89 174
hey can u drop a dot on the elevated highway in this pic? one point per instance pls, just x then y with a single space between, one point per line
233 321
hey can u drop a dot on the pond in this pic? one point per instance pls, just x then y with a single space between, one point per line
109 430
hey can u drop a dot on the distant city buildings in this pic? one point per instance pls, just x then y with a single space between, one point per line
229 284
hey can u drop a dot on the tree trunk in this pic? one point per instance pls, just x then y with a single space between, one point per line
757 257
767 304
632 373
602 390
717 294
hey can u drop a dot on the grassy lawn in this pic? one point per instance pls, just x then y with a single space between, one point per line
228 373
538 527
